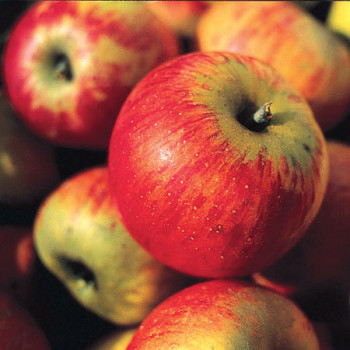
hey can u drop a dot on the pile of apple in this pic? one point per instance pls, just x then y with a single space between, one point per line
175 175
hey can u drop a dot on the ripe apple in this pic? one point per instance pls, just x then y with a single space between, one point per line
28 168
68 65
79 237
322 255
17 257
204 178
225 314
117 340
292 41
180 16
18 329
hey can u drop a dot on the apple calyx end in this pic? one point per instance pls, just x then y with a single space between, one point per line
62 68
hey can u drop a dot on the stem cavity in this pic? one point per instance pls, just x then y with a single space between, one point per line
259 120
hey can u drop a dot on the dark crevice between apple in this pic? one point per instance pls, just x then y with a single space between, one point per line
62 68
77 270
255 118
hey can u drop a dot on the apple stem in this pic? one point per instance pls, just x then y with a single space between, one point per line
261 118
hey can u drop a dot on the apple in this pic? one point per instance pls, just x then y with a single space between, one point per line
322 255
79 237
225 314
68 65
18 329
180 16
17 258
28 169
296 44
338 18
117 340
206 180
323 335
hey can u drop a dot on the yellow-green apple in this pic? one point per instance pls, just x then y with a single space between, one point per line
68 65
79 237
18 328
17 257
225 314
28 168
292 41
117 340
217 164
322 255
180 16
338 18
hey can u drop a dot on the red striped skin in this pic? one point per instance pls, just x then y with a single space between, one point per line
289 39
197 189
225 314
108 52
322 256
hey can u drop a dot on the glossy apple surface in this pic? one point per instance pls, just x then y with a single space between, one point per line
28 168
79 237
289 39
322 255
227 315
198 189
68 65
18 330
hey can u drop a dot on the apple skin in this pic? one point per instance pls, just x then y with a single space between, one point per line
79 237
289 39
195 187
225 314
68 65
20 181
18 329
338 18
17 258
321 257
180 16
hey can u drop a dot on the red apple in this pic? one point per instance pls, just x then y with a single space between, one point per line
68 65
224 314
17 258
322 255
28 168
201 185
18 329
79 238
288 38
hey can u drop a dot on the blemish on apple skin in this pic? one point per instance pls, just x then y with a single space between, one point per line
306 148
